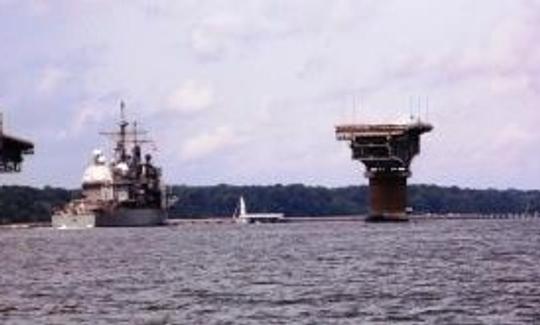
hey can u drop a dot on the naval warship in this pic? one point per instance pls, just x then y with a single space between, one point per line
124 192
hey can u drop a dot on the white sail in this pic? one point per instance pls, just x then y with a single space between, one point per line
242 207
241 215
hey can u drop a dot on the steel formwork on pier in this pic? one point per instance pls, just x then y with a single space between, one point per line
387 151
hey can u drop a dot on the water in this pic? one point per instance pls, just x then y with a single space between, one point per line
423 272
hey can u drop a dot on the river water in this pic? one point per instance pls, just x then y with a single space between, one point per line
422 272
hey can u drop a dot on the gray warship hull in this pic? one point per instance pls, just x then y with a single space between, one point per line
121 217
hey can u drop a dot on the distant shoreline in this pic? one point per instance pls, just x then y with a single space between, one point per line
19 204
352 218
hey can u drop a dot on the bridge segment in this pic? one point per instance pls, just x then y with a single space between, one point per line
12 150
387 151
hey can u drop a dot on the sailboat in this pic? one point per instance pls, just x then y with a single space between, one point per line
241 215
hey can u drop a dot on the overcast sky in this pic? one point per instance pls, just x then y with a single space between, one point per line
249 92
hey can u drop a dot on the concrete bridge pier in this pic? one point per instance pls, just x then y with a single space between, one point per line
12 150
387 151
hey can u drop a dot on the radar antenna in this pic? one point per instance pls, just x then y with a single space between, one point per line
125 139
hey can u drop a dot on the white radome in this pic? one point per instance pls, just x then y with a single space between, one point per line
97 174
122 168
101 160
97 152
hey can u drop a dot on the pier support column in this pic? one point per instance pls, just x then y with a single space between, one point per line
388 196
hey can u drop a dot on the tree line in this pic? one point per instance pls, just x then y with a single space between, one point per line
28 204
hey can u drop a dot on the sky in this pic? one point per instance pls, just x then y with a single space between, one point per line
249 91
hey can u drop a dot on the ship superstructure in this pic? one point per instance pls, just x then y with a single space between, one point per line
125 191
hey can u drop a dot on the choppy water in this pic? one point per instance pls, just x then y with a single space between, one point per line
423 272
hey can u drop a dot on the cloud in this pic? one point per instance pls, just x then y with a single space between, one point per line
219 33
50 80
33 7
86 114
210 143
508 50
279 73
191 97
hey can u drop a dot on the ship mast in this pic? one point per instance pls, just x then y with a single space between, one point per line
121 144
126 140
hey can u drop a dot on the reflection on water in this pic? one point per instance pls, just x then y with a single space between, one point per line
432 272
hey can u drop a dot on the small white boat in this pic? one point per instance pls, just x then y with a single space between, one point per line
240 215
